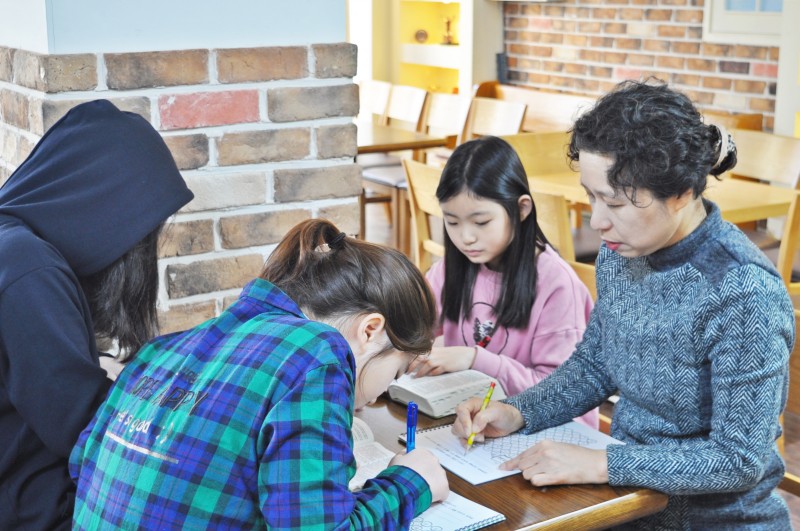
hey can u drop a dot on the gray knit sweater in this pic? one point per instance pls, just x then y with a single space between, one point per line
696 339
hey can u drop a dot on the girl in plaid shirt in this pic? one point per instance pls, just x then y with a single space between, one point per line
244 421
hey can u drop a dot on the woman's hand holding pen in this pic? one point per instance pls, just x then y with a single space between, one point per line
442 360
424 463
555 463
496 420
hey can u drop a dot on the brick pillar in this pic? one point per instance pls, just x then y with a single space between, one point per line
263 136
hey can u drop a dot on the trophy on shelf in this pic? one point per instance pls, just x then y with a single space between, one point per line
448 34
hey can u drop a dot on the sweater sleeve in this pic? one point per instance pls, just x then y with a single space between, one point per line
578 385
749 340
49 372
305 470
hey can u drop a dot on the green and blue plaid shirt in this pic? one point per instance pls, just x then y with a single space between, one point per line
241 423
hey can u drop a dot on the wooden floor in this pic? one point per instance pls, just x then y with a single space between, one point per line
378 231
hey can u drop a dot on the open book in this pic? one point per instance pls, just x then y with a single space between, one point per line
456 513
438 396
371 456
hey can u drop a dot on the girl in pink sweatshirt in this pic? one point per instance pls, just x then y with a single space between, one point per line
509 305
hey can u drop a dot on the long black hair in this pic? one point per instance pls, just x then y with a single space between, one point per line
122 297
489 168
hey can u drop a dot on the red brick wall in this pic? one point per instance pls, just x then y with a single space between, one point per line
263 136
587 46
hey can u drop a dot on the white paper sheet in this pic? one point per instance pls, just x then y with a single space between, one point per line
481 463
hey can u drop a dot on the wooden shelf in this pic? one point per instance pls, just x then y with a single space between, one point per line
438 55
477 27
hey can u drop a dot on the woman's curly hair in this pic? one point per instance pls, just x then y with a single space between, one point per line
656 139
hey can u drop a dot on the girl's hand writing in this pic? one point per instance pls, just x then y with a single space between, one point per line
496 420
424 463
442 360
555 463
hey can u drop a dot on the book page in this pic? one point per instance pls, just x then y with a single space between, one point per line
361 432
481 463
371 456
456 512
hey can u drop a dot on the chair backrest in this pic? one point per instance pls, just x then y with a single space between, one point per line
790 240
547 111
488 116
753 121
373 97
552 214
586 273
541 153
422 182
445 114
791 481
767 157
405 107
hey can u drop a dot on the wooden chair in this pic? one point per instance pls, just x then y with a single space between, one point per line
791 481
486 116
546 154
752 121
768 158
547 110
541 153
373 97
404 110
552 213
786 257
586 273
443 114
422 182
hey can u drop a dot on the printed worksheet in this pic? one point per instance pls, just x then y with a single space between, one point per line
480 464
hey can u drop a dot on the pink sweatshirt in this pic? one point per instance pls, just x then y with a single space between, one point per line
520 358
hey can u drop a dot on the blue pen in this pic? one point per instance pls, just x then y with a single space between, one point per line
411 427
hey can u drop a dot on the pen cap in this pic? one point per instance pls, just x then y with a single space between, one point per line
412 412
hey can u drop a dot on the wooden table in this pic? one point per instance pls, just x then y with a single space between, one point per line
526 506
375 138
739 201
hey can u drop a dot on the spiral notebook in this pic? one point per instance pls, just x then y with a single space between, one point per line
456 513
481 463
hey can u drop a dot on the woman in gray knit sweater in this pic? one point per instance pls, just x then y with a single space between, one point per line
693 328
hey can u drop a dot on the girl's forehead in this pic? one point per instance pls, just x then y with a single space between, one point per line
467 200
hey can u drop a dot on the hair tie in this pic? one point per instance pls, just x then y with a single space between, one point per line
336 243
724 145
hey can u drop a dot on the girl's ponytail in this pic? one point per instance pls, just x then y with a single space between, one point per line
332 276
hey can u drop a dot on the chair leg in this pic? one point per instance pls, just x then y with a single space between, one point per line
362 212
403 208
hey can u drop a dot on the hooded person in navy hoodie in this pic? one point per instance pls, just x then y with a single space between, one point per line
79 225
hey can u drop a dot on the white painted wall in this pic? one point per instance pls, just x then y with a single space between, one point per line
23 24
359 32
92 26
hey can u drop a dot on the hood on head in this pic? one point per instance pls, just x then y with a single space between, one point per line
97 182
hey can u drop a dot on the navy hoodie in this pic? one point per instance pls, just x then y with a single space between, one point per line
96 183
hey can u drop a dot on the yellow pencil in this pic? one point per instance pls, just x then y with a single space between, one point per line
486 399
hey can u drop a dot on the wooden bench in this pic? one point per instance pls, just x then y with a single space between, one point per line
557 111
547 111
